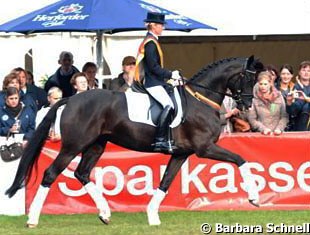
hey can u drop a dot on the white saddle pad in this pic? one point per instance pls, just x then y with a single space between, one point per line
138 108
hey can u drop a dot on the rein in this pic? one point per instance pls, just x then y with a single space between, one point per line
202 98
238 96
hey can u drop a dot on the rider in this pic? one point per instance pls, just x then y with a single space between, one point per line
150 69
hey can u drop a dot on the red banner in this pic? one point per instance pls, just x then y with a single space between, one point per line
281 166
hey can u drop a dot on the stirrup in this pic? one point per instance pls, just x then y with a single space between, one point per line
168 142
164 146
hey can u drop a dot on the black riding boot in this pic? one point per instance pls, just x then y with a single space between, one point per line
162 139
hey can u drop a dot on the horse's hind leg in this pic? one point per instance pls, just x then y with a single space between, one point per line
89 159
217 153
172 169
61 162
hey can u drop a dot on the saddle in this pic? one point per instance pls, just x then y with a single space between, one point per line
143 108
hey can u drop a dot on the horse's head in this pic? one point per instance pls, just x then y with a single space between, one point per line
241 83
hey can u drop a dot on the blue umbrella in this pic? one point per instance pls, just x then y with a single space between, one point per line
108 16
100 16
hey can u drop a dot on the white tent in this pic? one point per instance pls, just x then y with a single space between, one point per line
244 17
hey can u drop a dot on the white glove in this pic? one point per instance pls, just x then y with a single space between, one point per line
176 75
175 82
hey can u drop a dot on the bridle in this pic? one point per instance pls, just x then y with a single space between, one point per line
244 76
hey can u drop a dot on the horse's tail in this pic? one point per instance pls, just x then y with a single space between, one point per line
33 149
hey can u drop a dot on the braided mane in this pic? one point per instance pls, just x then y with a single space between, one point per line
211 66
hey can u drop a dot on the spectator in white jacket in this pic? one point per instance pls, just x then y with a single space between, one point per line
54 94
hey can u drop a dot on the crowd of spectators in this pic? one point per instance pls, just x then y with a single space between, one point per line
22 102
281 100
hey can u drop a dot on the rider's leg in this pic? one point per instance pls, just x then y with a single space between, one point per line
162 142
163 125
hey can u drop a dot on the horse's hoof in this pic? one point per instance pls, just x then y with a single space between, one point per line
31 225
254 202
154 223
153 218
104 220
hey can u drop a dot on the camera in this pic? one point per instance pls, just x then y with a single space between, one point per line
296 95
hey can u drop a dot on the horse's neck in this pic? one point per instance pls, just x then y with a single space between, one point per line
205 99
212 81
214 89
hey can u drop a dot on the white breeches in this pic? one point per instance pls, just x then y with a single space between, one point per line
159 93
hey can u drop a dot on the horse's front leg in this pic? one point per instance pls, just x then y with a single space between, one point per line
172 169
217 153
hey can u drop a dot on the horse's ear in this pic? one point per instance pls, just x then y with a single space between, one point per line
250 61
258 66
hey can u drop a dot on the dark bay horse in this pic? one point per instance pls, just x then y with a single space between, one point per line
93 118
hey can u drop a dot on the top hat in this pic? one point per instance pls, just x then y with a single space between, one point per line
154 17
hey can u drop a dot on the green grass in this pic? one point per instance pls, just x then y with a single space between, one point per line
177 222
